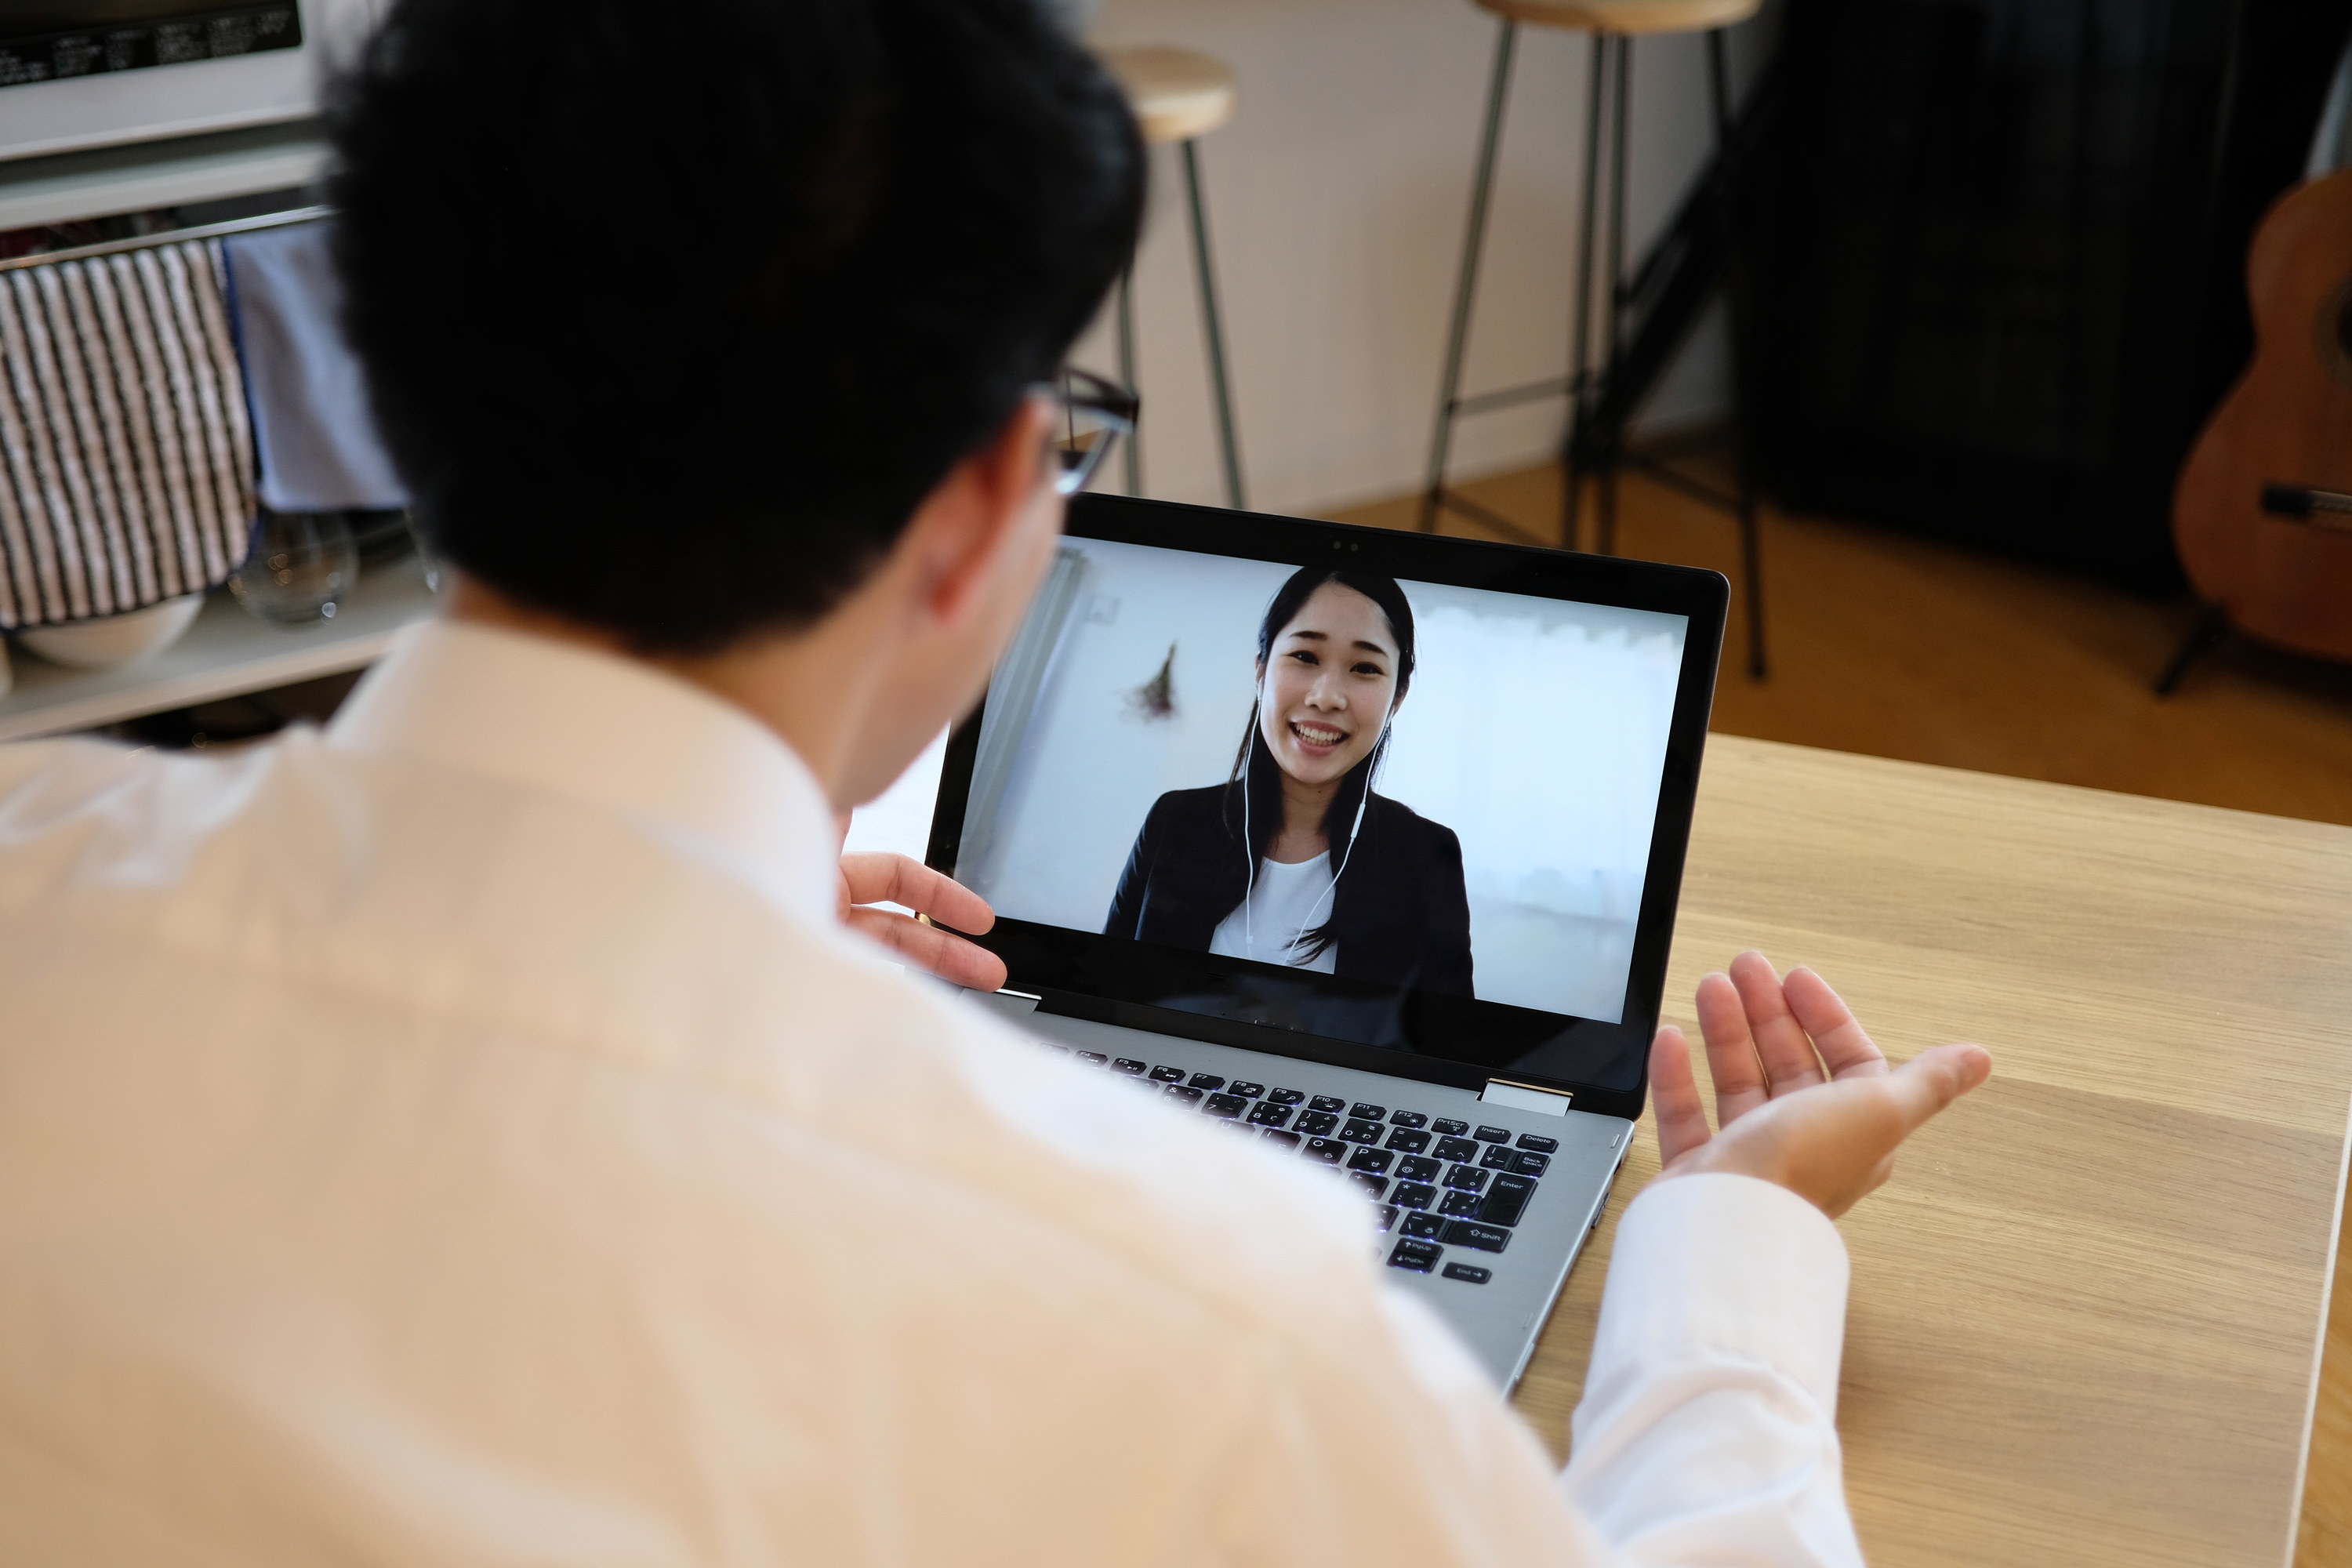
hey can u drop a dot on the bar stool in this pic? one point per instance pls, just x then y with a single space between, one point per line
1180 96
1613 24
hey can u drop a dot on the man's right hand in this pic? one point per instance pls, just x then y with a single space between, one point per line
1803 1098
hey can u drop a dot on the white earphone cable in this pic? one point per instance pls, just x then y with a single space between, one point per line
1249 843
1249 840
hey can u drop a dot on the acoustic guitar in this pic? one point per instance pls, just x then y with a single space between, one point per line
2262 514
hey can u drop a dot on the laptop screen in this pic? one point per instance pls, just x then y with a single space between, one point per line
1322 792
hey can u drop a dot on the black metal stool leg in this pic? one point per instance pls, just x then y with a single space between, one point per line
1579 374
1751 566
1465 286
1751 543
1612 277
1719 84
2212 629
1604 510
1127 376
1214 331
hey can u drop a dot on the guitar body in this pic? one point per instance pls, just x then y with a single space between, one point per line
2288 421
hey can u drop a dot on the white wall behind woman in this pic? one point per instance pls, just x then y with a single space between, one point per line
1336 199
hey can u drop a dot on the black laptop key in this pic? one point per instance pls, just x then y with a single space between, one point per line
1184 1093
1424 1225
1285 1096
1360 1131
1461 1206
1421 1256
1096 1057
1468 1273
1368 1112
1538 1142
1206 1080
1498 1157
1507 1200
1419 1167
1485 1134
1276 1135
1466 1179
1413 1194
1264 1113
1406 1141
1129 1066
1316 1123
1388 1213
1248 1090
1326 1102
1329 1150
1168 1075
1446 1127
1484 1238
1455 1149
1532 1164
1227 1105
1376 1161
1375 1185
1407 1118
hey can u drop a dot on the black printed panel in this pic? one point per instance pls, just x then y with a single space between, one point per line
50 40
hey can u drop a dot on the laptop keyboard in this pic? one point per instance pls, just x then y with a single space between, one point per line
1447 1192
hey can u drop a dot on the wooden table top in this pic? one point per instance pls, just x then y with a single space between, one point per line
2086 1312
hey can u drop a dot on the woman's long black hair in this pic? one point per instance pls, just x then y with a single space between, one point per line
1254 792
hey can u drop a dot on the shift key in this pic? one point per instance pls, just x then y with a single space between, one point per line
1483 1238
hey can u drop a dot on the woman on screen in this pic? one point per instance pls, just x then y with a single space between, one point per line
1293 859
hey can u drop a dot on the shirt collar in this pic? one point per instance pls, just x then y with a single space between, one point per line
611 731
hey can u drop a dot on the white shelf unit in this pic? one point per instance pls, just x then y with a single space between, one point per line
66 188
226 653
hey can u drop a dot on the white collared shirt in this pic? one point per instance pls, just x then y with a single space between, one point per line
465 1137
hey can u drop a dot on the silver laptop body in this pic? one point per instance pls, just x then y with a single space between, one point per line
1485 1105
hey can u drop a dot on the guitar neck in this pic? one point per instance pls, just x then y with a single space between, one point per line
2301 503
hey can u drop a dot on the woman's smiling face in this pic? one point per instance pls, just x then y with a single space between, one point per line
1328 685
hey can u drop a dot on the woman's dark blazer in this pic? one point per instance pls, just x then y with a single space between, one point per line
1400 914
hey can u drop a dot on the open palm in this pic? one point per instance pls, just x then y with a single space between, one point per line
1803 1098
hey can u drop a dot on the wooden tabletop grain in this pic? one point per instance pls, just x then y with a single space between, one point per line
2086 1312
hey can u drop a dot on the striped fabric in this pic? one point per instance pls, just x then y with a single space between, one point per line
126 457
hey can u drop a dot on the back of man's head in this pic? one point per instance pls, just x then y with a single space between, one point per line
672 315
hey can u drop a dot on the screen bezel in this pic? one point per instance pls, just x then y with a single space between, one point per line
1448 1040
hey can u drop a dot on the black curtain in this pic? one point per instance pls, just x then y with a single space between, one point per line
1995 257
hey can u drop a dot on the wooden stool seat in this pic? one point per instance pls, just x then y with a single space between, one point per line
1625 17
1176 94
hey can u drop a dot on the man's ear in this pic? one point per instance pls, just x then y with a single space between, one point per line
980 521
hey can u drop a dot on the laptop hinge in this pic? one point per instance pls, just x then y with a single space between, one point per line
1525 1097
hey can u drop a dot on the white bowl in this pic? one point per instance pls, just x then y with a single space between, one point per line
113 640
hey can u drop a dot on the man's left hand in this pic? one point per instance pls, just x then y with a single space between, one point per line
871 878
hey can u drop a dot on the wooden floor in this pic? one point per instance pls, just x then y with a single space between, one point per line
1901 648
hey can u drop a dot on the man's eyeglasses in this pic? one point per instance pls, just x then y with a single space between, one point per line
1094 414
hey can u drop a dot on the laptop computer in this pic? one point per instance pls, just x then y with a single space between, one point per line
1365 845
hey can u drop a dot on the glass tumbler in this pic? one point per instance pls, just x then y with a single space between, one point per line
301 566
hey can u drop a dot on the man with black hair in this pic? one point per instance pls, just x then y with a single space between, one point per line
469 1135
